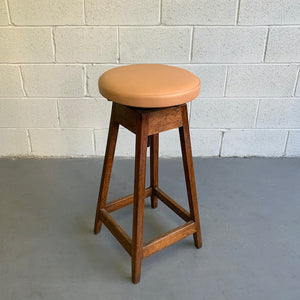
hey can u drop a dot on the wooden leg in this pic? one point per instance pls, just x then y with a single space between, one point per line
154 140
189 175
106 171
139 196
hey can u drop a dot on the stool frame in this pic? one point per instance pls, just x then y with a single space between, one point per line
147 124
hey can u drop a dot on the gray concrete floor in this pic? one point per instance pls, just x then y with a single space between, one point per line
249 211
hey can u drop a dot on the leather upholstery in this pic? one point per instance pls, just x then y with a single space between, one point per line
149 85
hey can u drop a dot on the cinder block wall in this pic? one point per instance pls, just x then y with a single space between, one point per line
246 53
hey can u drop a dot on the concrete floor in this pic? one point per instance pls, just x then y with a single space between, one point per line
249 211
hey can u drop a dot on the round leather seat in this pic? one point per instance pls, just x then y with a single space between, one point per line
149 85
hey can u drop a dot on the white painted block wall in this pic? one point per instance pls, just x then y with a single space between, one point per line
246 53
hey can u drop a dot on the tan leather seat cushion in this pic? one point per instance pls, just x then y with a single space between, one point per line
149 85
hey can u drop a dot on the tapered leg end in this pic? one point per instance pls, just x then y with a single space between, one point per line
97 227
197 240
136 277
135 280
136 267
154 201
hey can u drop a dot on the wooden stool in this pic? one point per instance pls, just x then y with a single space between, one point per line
148 99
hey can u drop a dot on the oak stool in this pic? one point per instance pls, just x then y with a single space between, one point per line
148 99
